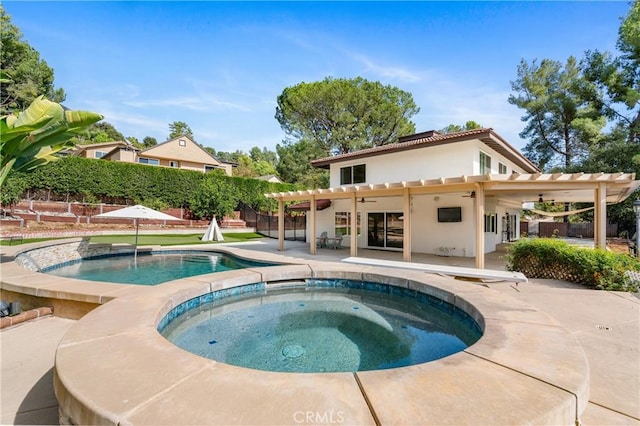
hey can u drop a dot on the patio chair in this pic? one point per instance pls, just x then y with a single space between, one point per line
335 243
321 241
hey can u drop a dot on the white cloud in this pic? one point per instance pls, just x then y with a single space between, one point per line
193 103
387 71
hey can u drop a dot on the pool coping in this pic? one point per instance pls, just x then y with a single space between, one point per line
525 369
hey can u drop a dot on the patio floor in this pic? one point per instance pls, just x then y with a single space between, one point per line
607 325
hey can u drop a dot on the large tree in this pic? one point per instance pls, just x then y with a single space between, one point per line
180 128
344 115
28 75
615 80
455 128
561 122
98 133
613 86
294 164
149 141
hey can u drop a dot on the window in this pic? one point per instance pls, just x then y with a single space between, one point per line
208 168
99 154
182 142
353 174
491 223
174 164
343 223
485 163
502 169
149 161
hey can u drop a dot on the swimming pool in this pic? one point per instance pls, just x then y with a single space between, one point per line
320 326
149 268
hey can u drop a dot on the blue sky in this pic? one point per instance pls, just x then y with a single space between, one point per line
220 66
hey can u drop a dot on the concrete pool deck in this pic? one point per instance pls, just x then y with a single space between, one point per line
606 324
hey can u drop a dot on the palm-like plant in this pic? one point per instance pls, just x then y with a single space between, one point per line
32 137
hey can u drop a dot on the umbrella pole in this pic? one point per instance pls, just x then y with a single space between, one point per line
135 247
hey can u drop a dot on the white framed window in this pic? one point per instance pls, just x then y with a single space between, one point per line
99 154
491 223
502 169
343 223
485 163
353 174
208 168
182 142
149 161
174 164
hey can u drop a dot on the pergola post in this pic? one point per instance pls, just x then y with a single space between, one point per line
312 225
280 224
600 216
354 226
479 213
406 225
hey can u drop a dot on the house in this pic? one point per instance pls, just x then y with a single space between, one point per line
270 178
457 194
180 152
100 150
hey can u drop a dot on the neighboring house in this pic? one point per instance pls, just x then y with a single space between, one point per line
100 150
455 194
180 152
270 178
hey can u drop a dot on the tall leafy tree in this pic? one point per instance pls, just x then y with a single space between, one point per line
613 86
149 141
263 154
455 128
29 76
560 121
98 133
294 165
344 115
180 128
614 81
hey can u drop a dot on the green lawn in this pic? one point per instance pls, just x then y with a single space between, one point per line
160 239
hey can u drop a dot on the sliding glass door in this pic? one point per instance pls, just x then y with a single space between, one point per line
385 230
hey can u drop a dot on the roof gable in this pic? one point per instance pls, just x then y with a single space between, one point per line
109 145
433 138
172 150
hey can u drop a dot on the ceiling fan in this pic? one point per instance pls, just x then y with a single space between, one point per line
362 200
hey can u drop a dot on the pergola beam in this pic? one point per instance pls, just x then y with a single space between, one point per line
599 188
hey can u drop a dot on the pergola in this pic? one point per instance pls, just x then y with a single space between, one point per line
597 188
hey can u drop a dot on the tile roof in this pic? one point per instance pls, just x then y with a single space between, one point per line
433 138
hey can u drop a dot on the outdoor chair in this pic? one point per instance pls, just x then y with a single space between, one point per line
335 243
321 241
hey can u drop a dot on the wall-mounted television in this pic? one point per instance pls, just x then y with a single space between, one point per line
449 214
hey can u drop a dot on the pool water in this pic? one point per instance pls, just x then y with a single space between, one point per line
320 329
150 269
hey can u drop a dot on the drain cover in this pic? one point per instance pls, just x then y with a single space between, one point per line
293 351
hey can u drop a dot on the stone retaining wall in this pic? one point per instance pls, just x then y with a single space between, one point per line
37 259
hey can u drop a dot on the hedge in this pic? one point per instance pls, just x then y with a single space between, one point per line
555 259
76 178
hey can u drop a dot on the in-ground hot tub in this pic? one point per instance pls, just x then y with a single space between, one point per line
525 368
320 326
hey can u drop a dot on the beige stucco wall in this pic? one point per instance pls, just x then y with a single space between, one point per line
449 160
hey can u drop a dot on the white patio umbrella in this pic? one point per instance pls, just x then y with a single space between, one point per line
136 213
213 232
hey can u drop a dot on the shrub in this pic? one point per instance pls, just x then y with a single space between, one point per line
555 259
108 181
